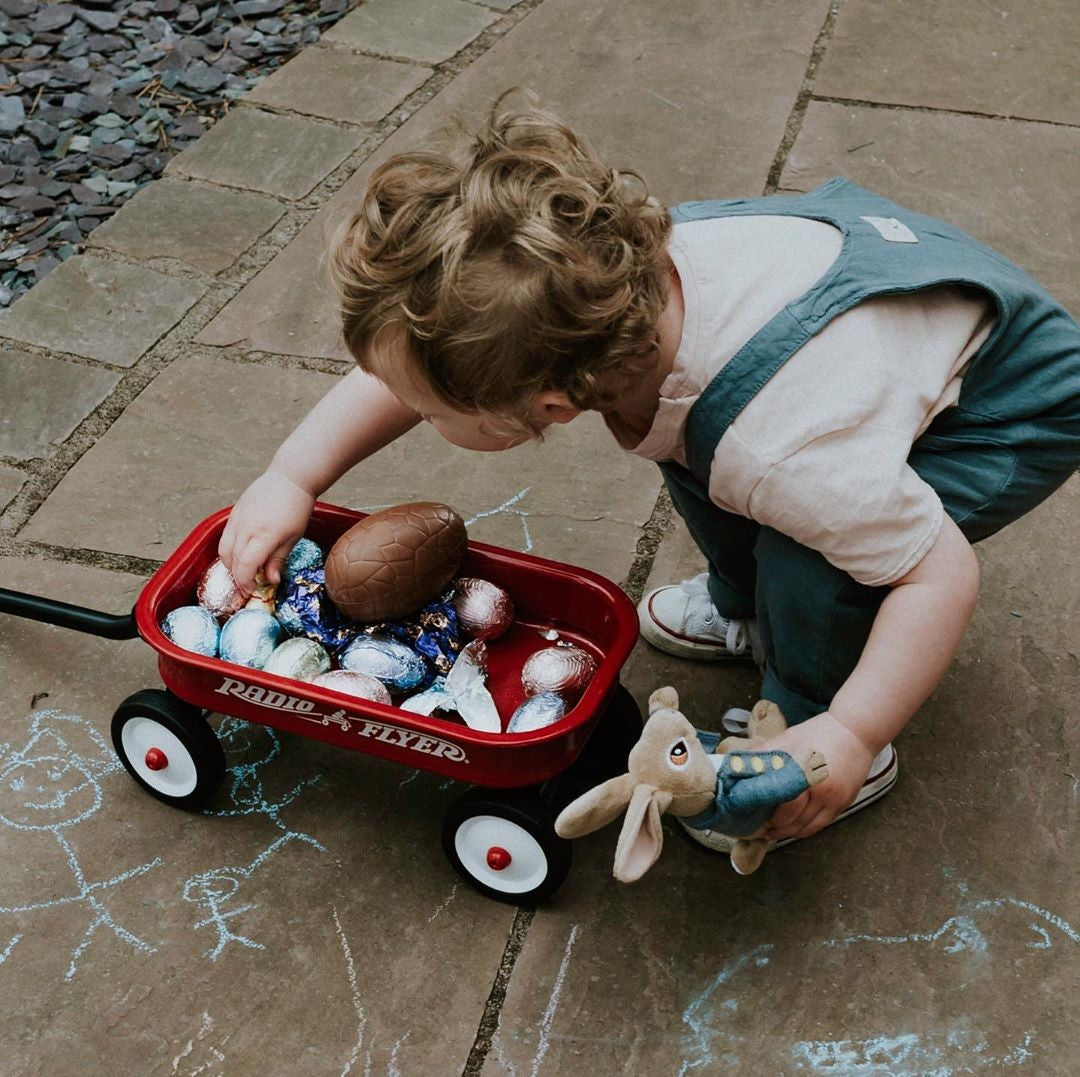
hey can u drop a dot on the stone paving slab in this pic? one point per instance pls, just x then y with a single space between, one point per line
936 931
44 400
968 55
676 121
307 920
192 441
208 228
428 31
260 151
337 85
11 481
999 180
108 311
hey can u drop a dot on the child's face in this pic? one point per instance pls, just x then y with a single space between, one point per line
467 430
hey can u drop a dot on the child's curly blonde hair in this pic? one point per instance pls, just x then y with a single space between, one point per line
516 262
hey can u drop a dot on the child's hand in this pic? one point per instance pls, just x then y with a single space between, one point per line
263 526
848 759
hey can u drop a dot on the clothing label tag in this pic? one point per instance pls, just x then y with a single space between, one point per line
893 230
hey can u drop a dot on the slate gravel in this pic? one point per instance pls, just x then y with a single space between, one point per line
98 95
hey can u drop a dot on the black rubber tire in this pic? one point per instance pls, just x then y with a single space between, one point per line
188 725
522 808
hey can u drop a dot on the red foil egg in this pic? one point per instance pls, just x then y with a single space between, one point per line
566 670
217 591
484 610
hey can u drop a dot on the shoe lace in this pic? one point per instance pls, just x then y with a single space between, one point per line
736 634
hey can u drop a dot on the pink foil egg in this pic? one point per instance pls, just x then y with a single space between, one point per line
217 591
484 610
354 684
566 669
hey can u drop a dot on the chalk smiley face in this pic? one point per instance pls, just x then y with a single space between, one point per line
46 792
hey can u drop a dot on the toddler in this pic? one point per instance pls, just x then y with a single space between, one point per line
842 396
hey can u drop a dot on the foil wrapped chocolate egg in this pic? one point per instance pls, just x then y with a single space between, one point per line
303 556
217 591
485 610
565 669
194 628
537 712
398 666
249 637
299 658
353 684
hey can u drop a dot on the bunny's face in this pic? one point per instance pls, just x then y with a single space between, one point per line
670 757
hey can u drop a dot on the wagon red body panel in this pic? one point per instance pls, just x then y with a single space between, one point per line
583 607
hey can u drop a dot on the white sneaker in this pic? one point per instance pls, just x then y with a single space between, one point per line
680 619
879 781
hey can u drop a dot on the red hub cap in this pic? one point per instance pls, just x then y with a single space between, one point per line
498 858
156 759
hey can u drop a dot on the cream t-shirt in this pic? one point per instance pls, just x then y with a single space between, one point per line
820 453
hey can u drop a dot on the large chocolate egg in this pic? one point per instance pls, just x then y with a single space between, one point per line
394 561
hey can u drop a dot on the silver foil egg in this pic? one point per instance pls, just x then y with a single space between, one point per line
484 610
249 637
217 591
194 628
353 684
557 669
300 658
399 667
537 712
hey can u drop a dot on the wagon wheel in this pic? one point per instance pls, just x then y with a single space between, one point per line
168 748
504 844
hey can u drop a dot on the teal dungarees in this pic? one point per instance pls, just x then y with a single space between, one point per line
1011 440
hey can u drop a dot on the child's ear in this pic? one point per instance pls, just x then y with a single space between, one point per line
553 406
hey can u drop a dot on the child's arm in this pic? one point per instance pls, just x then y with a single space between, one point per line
356 418
914 638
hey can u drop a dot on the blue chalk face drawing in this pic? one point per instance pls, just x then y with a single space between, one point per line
49 786
254 747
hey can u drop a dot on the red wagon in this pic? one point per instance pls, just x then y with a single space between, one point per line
498 835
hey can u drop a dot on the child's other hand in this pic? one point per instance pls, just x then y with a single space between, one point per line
262 528
848 759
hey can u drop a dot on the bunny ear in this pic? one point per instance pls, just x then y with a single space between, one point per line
642 836
596 808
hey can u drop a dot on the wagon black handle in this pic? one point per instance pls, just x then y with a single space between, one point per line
64 614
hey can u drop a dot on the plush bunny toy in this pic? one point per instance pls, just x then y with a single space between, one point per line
733 790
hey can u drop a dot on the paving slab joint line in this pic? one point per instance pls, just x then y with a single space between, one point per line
802 100
648 544
283 110
389 57
899 106
489 1019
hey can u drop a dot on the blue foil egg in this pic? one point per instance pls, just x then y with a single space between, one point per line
304 555
194 628
249 638
537 712
300 658
399 667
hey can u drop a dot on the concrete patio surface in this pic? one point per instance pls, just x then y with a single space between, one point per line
308 923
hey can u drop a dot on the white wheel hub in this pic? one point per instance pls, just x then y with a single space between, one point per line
145 742
479 835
